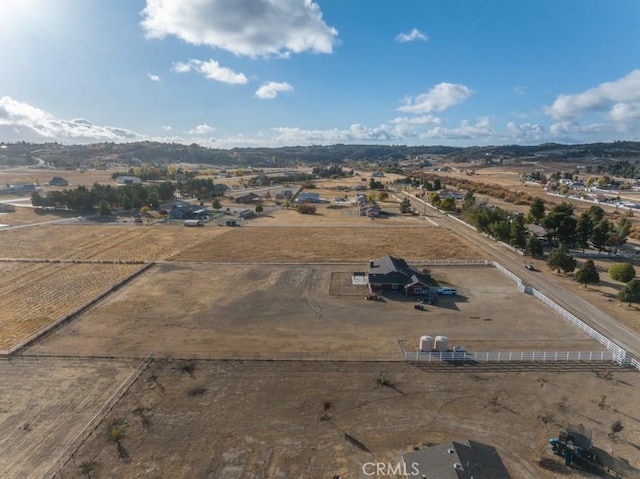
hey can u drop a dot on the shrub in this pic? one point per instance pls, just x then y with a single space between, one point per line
623 272
306 209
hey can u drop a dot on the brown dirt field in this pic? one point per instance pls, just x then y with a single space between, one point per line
44 404
268 420
102 241
33 295
42 176
24 216
305 311
265 243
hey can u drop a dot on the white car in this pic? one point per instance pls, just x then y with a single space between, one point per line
447 291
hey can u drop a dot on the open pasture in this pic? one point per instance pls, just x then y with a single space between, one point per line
32 295
102 241
305 311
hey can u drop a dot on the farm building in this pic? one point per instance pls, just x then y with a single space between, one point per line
245 197
246 214
127 180
394 274
455 460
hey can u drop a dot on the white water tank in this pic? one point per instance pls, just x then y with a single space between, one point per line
441 344
426 344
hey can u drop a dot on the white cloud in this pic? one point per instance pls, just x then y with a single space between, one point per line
439 98
211 70
479 130
624 91
166 127
244 27
154 77
625 112
271 89
23 122
203 129
526 131
413 35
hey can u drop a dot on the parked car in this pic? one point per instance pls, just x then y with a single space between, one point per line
447 291
530 267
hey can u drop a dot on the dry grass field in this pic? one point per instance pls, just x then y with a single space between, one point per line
102 241
299 243
276 420
33 295
44 404
42 176
305 311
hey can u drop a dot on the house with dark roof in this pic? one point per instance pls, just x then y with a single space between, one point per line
394 274
456 460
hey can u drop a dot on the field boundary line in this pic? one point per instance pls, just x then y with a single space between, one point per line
48 328
93 423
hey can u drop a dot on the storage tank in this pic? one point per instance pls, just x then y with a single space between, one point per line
426 344
441 344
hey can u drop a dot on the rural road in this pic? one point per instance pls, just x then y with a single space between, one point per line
601 322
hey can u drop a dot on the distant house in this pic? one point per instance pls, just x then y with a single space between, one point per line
58 181
309 197
377 174
19 189
179 210
245 197
284 195
127 180
395 275
246 214
455 460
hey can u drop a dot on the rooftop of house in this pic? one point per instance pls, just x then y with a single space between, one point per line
395 270
456 460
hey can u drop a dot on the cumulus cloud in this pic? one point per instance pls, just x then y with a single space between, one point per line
479 130
625 112
211 70
413 35
243 27
624 92
526 131
154 77
271 89
24 122
203 129
439 98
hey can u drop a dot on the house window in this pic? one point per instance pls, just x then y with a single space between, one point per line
417 290
394 286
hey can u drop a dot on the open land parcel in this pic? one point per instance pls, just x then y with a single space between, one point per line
224 294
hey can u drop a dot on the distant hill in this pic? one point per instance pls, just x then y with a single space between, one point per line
99 154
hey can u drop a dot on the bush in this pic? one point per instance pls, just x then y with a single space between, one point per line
306 209
623 272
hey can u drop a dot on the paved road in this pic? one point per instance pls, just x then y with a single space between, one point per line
601 322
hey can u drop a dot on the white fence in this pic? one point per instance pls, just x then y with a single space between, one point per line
510 356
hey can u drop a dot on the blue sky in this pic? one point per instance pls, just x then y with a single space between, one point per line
227 73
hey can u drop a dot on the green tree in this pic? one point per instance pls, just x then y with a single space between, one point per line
437 184
560 223
448 204
518 232
533 247
630 293
259 209
469 201
405 205
215 204
435 199
600 234
153 199
618 234
126 202
596 213
559 260
105 208
588 274
537 210
584 230
623 272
